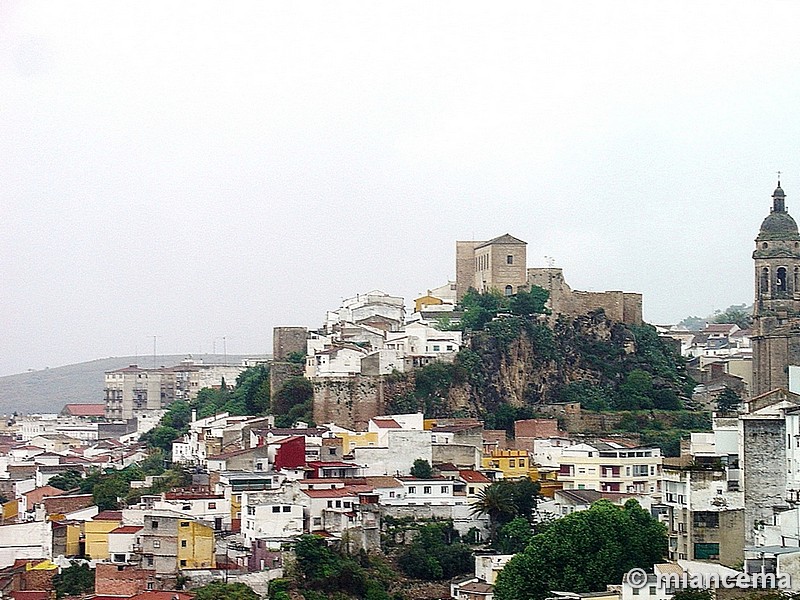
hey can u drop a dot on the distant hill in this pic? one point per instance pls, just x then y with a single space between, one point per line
48 390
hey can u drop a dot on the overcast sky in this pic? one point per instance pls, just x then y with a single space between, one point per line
194 170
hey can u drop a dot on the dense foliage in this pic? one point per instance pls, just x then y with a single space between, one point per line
110 488
75 580
728 401
421 469
293 402
251 396
516 358
584 551
436 553
323 571
505 500
218 590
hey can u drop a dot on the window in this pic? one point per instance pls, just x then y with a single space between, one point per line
150 561
156 543
184 523
652 590
412 489
187 507
119 558
332 451
426 489
509 259
509 290
347 504
251 510
512 463
154 524
212 505
183 563
317 520
330 503
286 508
444 489
276 509
471 490
635 591
780 282
183 543
338 504
436 348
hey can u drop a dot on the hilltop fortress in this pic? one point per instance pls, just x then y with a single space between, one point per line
501 264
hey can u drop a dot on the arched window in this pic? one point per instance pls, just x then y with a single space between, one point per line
780 279
796 282
509 290
764 280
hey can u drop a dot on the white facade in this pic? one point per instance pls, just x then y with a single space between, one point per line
25 540
271 520
420 339
402 448
366 306
607 467
336 361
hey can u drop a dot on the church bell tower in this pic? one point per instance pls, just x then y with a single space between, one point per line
776 312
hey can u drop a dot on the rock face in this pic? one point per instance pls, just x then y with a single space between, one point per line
515 364
523 362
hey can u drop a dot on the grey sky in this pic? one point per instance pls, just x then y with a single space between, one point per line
199 170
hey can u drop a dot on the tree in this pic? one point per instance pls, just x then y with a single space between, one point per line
497 501
225 591
75 580
422 469
252 388
738 314
293 401
160 437
728 401
529 303
634 392
525 494
584 551
514 536
436 553
66 481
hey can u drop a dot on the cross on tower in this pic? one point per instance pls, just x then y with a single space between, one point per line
779 179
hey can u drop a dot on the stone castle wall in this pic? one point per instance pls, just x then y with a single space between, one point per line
286 340
764 471
348 401
279 372
623 307
465 266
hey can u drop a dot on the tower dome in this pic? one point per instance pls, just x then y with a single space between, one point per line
779 224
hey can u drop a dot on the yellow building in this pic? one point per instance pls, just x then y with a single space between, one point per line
195 545
356 439
514 464
95 533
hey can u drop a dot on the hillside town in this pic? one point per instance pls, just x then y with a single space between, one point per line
231 497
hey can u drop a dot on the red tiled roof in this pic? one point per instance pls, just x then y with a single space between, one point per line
127 529
35 496
108 515
30 595
162 595
386 423
473 477
85 410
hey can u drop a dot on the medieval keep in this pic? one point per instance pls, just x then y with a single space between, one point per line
776 312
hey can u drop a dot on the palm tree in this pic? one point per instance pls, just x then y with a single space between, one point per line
497 501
